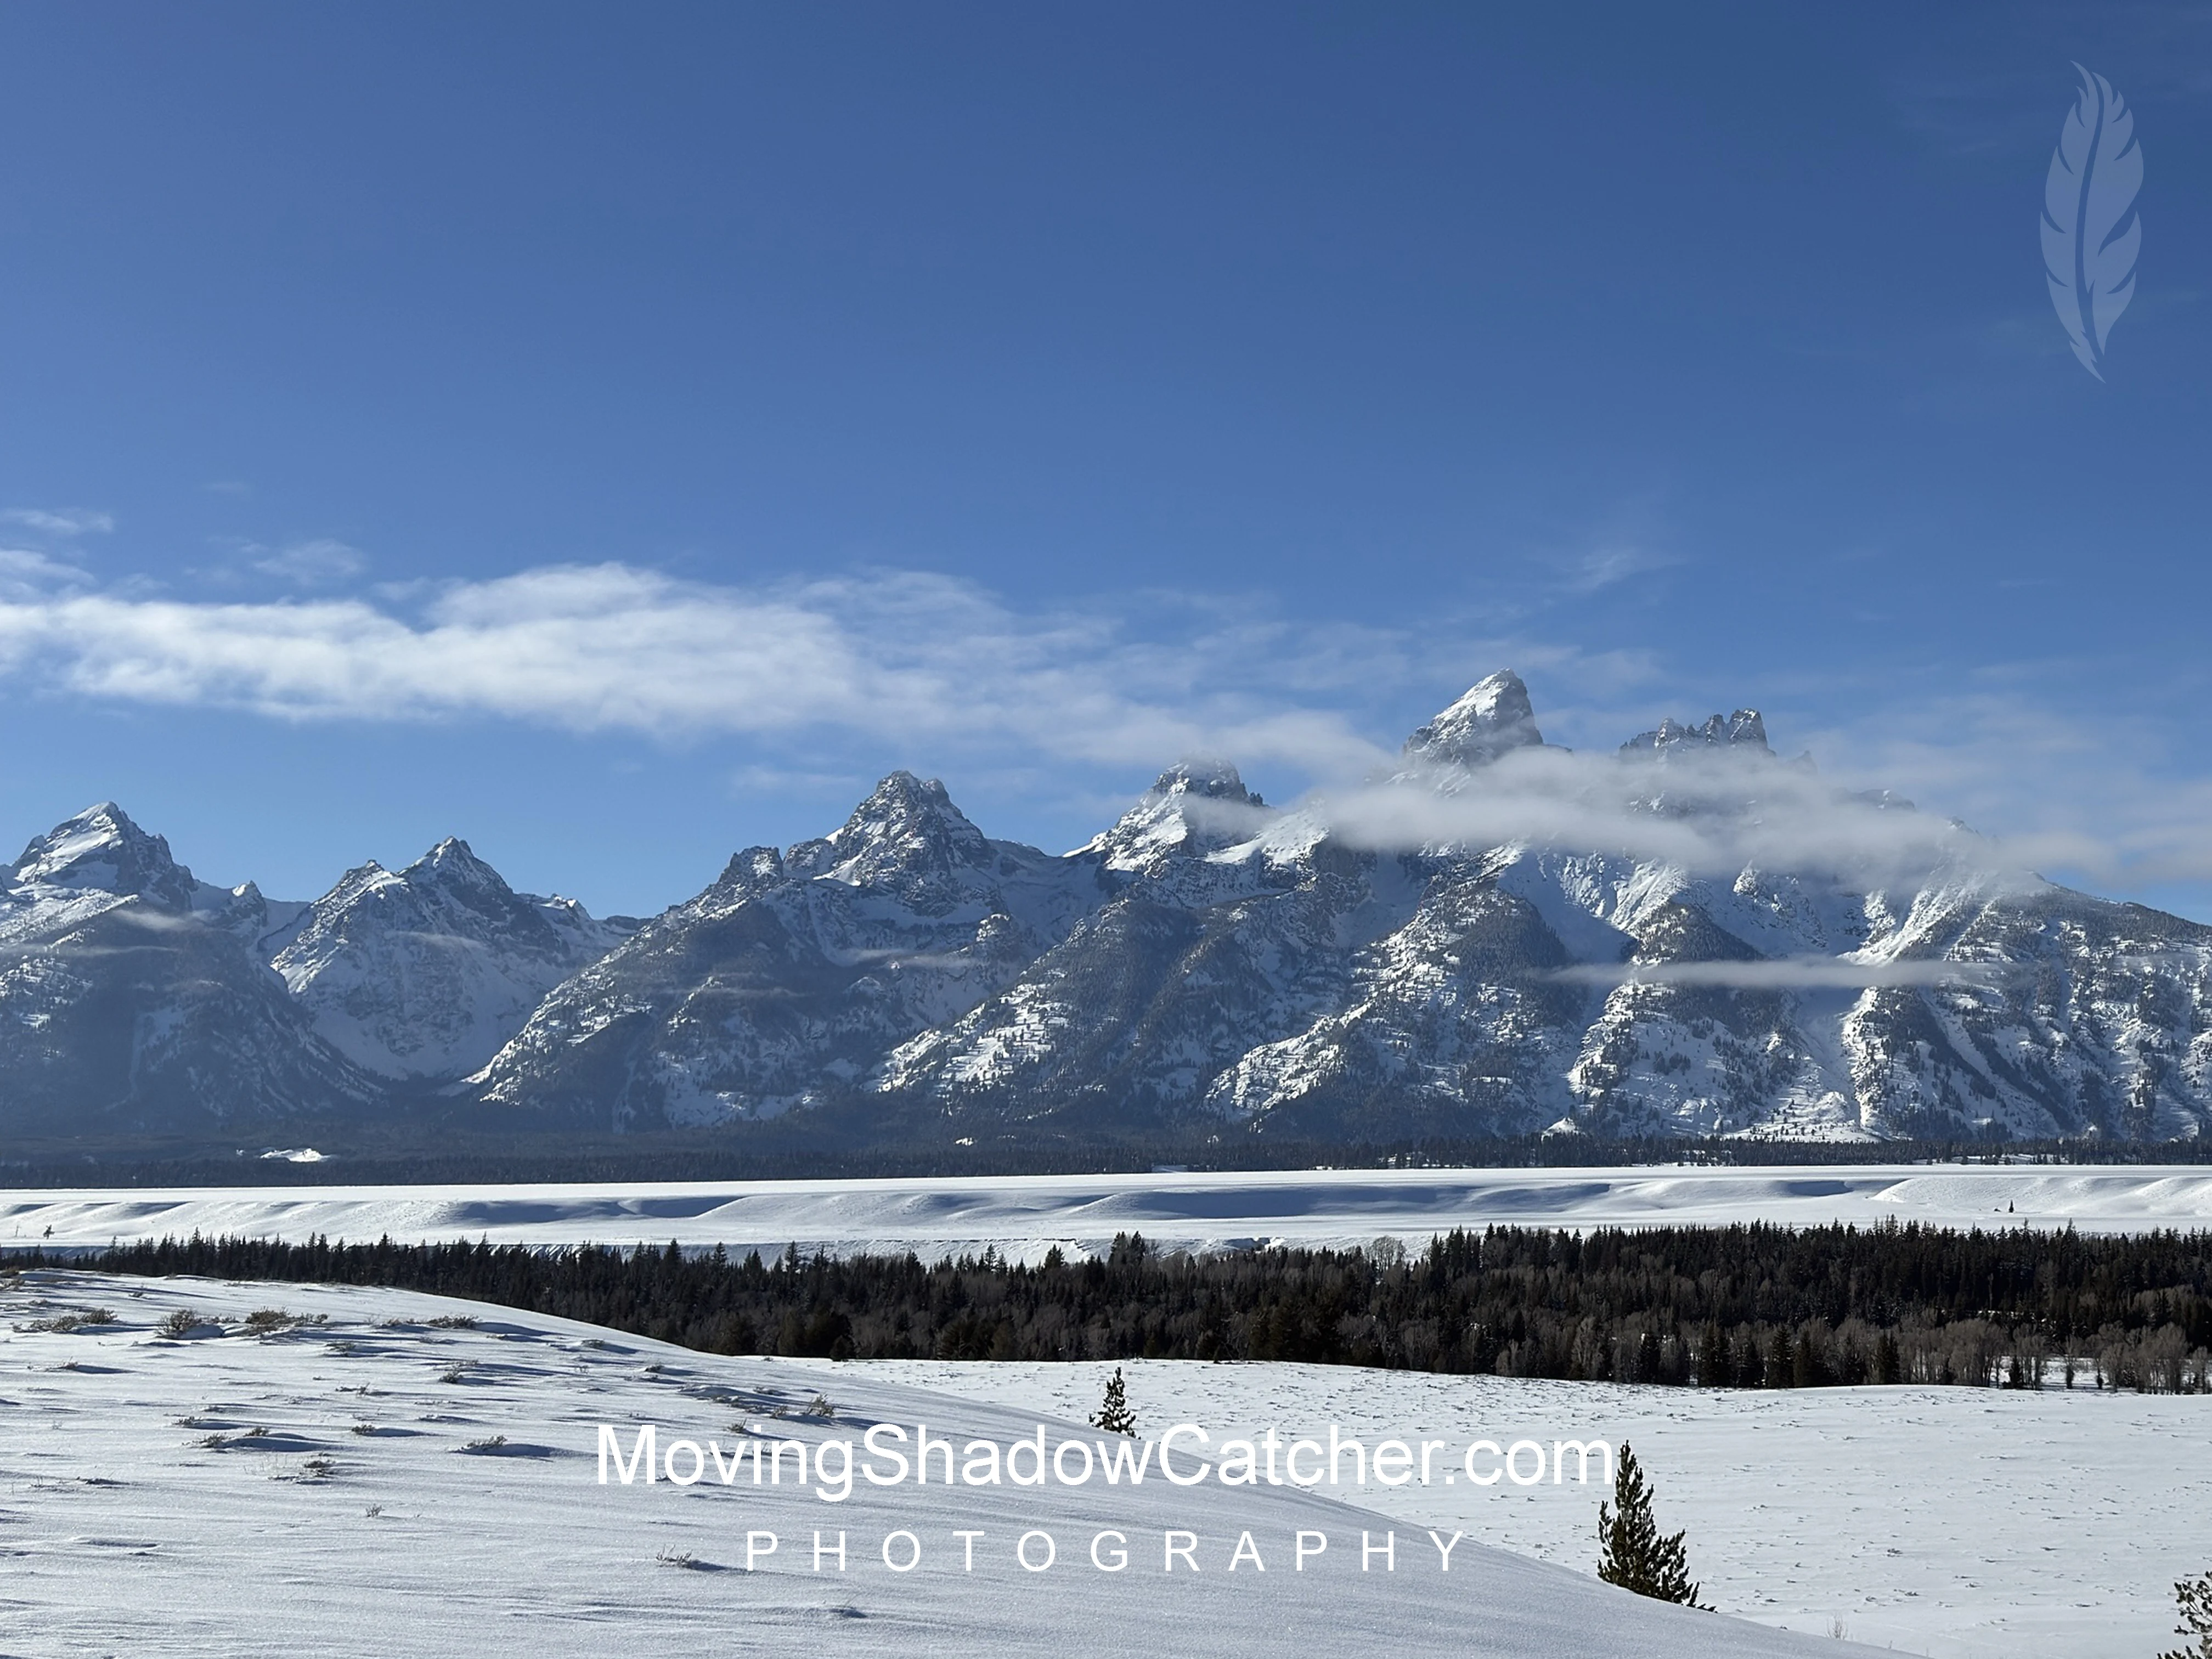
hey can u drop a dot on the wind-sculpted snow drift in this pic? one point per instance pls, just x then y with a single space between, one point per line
1689 937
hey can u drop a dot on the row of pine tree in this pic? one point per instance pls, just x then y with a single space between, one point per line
1750 1306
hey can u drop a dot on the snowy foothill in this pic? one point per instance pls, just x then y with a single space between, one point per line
1024 1216
193 1468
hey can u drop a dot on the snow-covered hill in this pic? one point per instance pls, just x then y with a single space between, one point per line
352 1477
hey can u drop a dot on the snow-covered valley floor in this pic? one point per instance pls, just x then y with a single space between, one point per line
359 1480
1026 1215
1951 1522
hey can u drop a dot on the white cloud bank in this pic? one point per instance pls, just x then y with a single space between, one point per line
938 668
1714 813
611 647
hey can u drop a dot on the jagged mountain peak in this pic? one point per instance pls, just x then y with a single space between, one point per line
1493 716
1194 807
420 973
751 869
906 824
451 863
901 800
1214 780
1743 730
101 849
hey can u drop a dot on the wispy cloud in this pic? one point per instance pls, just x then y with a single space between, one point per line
322 562
1788 974
611 647
1605 566
2039 758
59 521
26 575
1712 815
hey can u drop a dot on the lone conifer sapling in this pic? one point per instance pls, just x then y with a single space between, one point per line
2194 1597
1115 1415
1634 1556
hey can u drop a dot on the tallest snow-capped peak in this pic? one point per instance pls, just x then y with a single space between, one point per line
1494 716
101 849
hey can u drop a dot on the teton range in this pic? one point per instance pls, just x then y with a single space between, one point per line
1207 965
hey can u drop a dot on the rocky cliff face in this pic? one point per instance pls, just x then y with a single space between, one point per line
131 999
421 974
787 981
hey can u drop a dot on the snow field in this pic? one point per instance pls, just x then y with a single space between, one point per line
1024 1216
372 1483
1962 1523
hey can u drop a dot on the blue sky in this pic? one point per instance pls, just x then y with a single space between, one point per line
616 435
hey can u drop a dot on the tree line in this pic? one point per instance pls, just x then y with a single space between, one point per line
1744 1306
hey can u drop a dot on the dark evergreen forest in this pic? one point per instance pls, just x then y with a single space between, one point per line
1747 1306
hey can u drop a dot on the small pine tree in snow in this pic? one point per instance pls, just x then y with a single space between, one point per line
1635 1557
2194 1596
1115 1415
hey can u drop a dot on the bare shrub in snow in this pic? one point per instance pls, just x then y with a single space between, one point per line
77 1319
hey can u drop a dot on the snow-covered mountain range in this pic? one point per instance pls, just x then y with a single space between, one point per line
134 998
1691 936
